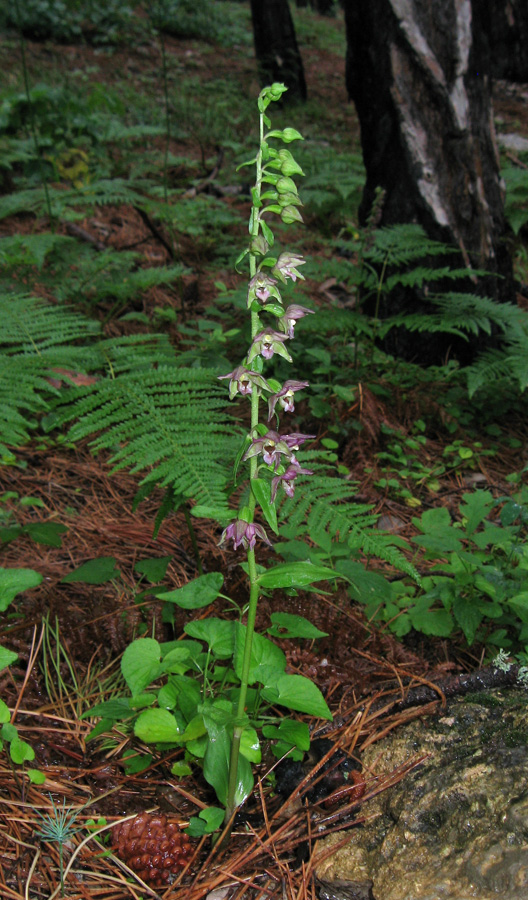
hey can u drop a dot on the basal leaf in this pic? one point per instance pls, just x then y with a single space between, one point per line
299 693
294 575
200 592
14 581
287 625
157 726
95 571
141 664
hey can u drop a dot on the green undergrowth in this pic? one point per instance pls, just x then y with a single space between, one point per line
76 149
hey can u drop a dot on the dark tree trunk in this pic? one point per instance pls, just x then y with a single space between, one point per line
416 73
276 49
504 24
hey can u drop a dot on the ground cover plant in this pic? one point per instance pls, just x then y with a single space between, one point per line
393 543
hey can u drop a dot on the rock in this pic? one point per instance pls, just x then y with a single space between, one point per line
513 142
456 828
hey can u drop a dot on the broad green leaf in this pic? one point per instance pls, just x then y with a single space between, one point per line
153 569
218 634
208 820
519 603
216 765
10 533
200 592
181 769
119 707
20 752
157 726
95 571
299 693
266 657
287 625
475 508
195 729
438 622
14 581
9 732
262 492
140 664
216 760
5 715
177 661
294 575
441 543
467 616
250 746
7 657
35 776
48 533
136 762
365 586
290 731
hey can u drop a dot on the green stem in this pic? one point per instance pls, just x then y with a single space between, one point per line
252 567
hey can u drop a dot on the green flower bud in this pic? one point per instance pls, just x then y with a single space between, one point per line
291 134
286 199
290 214
286 184
288 164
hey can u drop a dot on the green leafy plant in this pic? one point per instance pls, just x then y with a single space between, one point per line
477 580
68 21
12 583
217 709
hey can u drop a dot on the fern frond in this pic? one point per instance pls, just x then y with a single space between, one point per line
170 420
32 326
31 249
323 507
37 339
463 314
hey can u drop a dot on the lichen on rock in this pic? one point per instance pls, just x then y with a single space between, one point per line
456 828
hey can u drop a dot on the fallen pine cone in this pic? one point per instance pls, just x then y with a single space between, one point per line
152 847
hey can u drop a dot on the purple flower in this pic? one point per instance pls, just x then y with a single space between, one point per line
267 343
243 534
284 397
288 479
242 381
288 321
271 445
261 287
286 267
294 441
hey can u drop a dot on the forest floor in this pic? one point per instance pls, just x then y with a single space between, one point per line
70 637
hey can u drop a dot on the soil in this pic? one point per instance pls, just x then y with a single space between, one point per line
69 637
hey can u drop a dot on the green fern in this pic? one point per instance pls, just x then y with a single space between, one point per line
170 421
38 339
323 507
31 249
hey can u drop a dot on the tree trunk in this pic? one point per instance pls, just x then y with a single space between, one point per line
415 73
504 24
278 57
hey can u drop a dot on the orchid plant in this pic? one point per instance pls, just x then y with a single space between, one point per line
217 703
271 454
